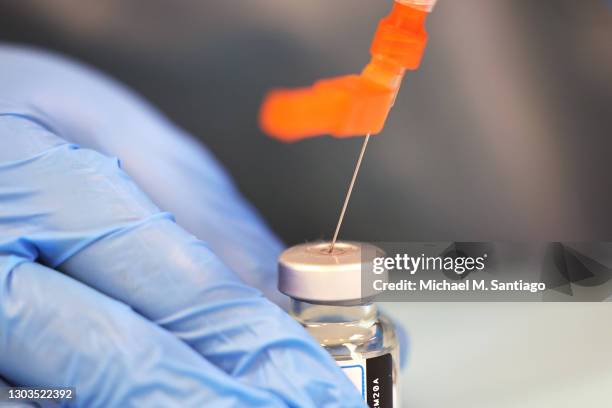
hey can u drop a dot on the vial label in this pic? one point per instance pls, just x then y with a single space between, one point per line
373 378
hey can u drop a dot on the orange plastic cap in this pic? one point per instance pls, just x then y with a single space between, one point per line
344 106
351 105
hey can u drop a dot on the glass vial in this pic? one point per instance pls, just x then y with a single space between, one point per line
328 299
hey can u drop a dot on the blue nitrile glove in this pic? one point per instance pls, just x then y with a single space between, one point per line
102 291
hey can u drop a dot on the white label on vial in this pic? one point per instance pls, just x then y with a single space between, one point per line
373 378
356 372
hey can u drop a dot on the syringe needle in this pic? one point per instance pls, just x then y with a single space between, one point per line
348 193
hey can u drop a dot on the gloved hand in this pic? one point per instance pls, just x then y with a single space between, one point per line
102 291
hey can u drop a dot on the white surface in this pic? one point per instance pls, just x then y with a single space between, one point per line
506 354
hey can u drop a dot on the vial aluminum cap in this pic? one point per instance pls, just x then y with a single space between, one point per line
309 272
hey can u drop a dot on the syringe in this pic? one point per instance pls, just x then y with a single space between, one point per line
353 105
348 193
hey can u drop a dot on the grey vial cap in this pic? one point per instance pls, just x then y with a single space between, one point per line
309 272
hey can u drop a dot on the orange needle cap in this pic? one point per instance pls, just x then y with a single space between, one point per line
354 104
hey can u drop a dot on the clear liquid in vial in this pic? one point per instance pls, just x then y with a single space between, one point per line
363 343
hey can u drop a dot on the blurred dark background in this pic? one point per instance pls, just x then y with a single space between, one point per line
504 133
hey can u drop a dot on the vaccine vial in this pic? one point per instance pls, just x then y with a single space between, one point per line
330 301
